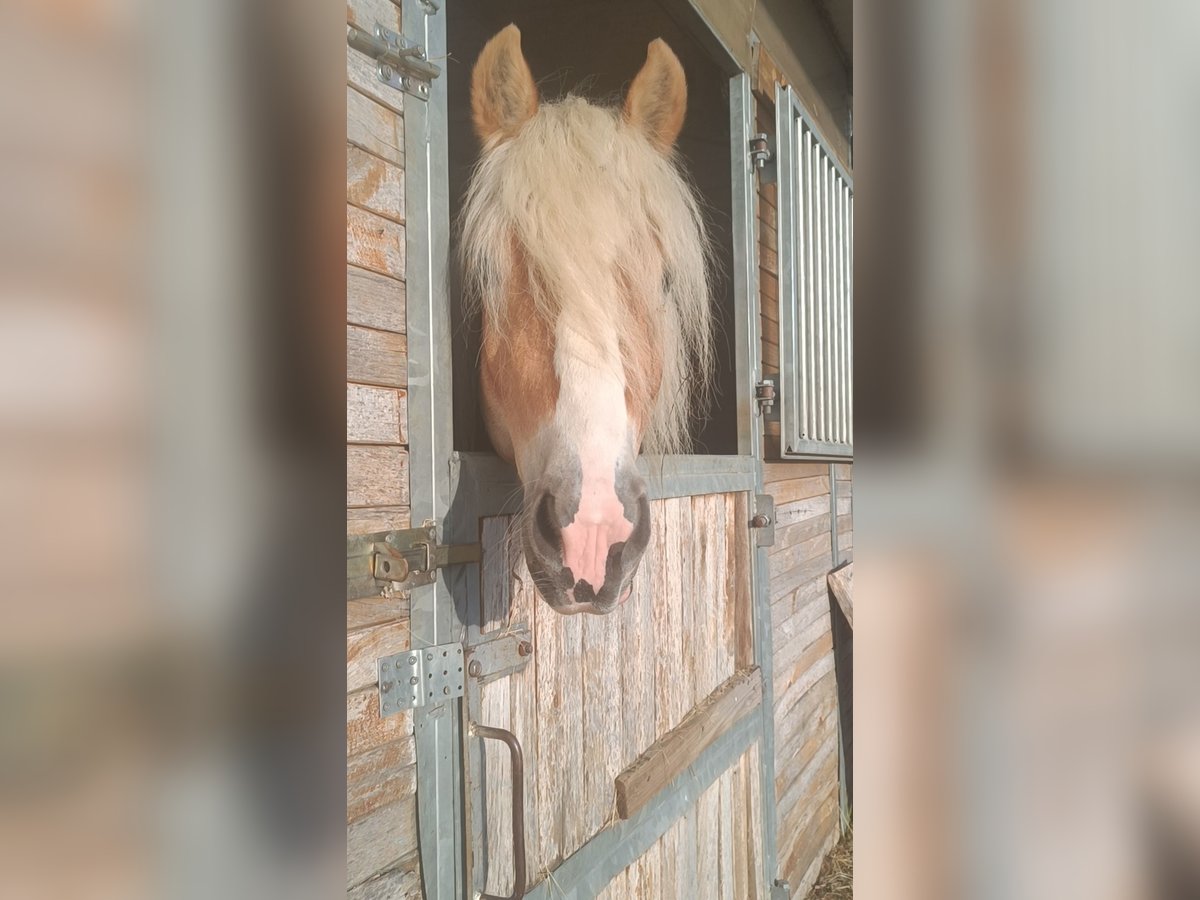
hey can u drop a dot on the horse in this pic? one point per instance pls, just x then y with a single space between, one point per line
585 254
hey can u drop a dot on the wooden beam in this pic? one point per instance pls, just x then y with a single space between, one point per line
841 583
671 754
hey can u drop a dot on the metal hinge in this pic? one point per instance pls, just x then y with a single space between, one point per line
400 63
429 676
400 560
762 158
763 521
764 395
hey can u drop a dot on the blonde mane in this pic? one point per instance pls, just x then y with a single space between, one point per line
609 229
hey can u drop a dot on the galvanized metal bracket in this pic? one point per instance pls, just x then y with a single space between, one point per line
501 655
400 63
764 396
763 521
400 560
762 158
421 677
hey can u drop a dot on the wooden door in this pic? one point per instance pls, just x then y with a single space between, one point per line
611 710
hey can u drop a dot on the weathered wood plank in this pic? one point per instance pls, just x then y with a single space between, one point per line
724 848
523 697
374 300
376 476
602 718
841 585
371 611
743 876
379 777
649 867
373 127
376 357
380 839
708 818
724 611
374 184
799 488
799 510
570 801
670 664
364 647
370 519
373 242
808 843
365 729
547 659
792 680
788 580
701 639
681 591
675 751
790 535
495 710
400 882
376 415
361 73
638 672
738 579
816 547
495 574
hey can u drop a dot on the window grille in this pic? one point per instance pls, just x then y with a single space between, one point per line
815 209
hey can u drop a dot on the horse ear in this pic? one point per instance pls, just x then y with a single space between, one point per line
657 99
503 95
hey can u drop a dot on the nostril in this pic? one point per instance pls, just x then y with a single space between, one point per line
545 524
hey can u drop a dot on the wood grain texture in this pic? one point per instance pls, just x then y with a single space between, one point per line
368 519
373 242
570 801
365 647
376 357
402 881
379 777
361 73
380 839
376 476
601 717
841 585
371 611
550 741
374 300
495 711
372 127
669 686
374 184
708 819
738 576
675 751
376 415
365 729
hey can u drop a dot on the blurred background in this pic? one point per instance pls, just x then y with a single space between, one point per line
172 473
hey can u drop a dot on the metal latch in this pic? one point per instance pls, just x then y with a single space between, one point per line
400 560
761 157
764 395
411 558
400 63
763 521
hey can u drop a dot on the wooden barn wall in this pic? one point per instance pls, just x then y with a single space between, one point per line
811 692
381 859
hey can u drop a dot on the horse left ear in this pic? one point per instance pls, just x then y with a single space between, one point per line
657 99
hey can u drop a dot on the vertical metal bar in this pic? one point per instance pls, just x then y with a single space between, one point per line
746 299
850 335
835 413
800 235
840 315
747 326
831 287
433 617
786 228
847 323
814 281
818 298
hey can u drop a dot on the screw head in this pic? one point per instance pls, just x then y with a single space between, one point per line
385 72
412 660
524 648
475 669
413 680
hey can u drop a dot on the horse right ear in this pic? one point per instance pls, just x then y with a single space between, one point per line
503 95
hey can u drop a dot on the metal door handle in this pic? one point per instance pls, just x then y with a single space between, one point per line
518 806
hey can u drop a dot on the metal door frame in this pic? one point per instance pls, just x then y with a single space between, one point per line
460 488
